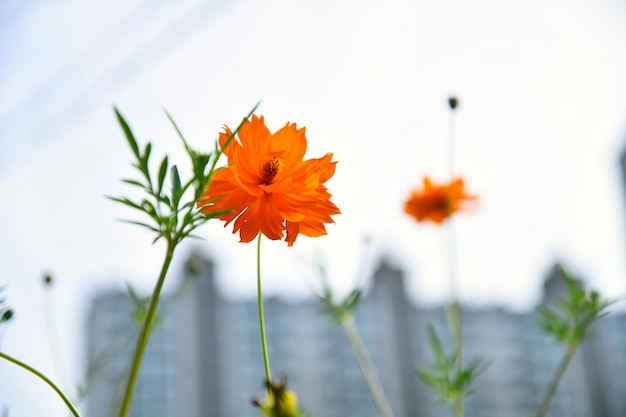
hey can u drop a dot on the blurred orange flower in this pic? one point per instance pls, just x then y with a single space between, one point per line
267 187
436 202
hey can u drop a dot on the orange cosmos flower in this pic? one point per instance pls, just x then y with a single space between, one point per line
436 203
267 187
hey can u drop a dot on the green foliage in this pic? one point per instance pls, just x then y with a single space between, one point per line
569 319
170 215
140 308
338 310
447 378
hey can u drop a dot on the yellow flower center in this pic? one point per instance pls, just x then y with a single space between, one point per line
270 169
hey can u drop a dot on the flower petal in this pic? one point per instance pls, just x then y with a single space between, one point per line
291 197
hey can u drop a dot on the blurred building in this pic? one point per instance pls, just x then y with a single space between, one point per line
205 359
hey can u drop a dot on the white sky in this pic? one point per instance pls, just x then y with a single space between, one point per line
541 124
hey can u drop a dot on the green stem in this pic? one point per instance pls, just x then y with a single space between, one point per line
52 339
144 335
454 313
367 368
266 359
454 306
452 143
45 379
554 385
99 363
454 309
454 303
458 407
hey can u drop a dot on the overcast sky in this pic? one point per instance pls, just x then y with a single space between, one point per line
541 124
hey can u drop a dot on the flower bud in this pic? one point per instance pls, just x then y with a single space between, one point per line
280 402
7 315
453 102
47 280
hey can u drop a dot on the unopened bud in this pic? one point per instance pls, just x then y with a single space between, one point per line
47 280
7 315
280 402
453 102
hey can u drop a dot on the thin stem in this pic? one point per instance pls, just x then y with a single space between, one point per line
30 369
99 363
266 359
52 339
453 313
452 143
458 407
554 385
456 322
144 335
454 308
367 368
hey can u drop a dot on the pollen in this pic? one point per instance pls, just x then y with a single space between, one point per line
270 169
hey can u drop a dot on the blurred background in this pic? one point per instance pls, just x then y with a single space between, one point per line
540 130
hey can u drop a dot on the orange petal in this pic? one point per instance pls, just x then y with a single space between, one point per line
291 143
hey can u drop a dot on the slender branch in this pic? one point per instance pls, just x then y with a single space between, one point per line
266 359
144 335
452 142
554 385
454 308
458 407
455 319
52 339
32 370
99 363
367 368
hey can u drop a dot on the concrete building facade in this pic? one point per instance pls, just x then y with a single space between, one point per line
205 357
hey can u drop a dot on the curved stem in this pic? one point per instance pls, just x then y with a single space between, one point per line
45 379
144 335
367 368
266 359
554 385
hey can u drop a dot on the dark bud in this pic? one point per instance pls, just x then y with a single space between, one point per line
453 102
47 280
7 315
